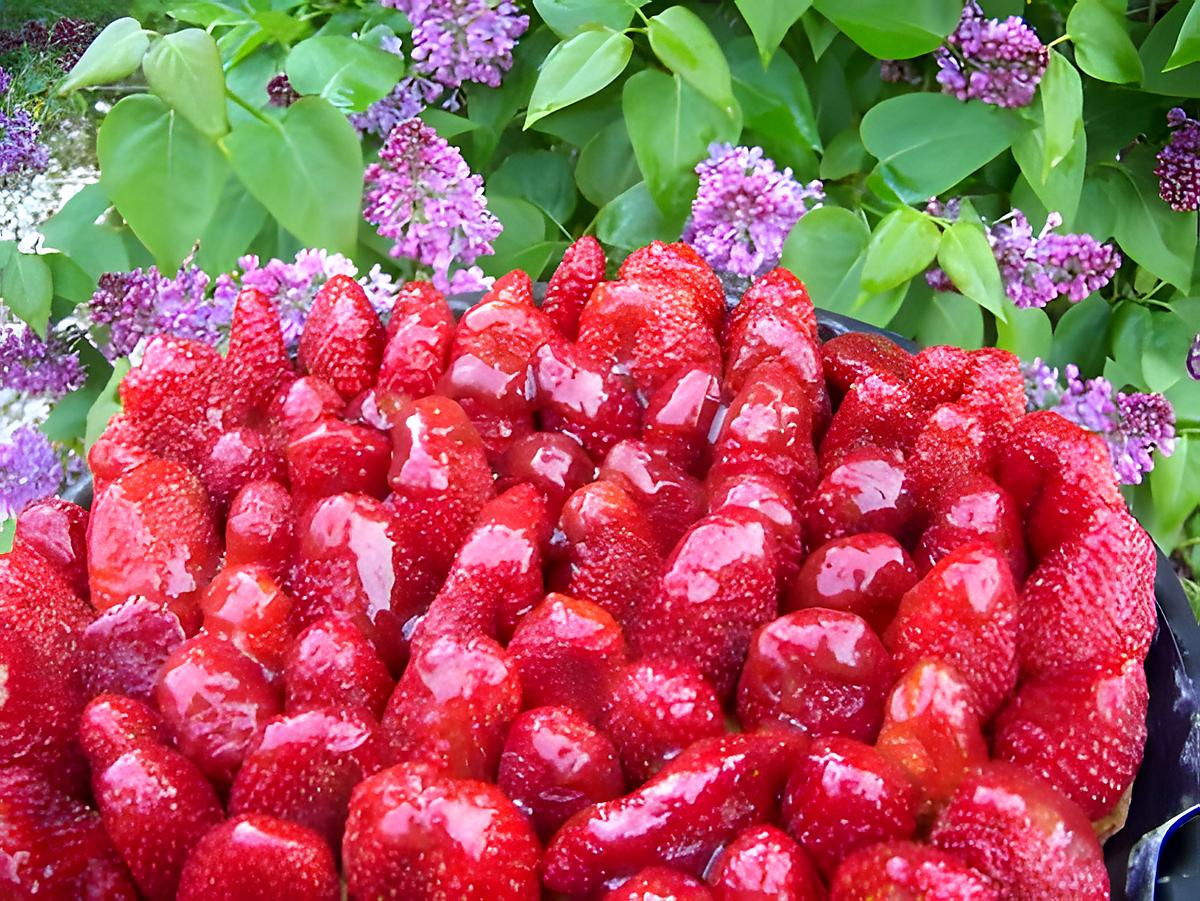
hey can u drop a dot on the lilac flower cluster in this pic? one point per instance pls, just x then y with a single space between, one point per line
744 209
20 149
31 365
407 99
998 61
1134 426
1193 359
30 469
423 196
1178 168
129 307
458 41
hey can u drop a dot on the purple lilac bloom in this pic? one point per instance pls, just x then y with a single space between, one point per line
745 208
1178 168
128 307
998 61
423 196
280 92
5 81
458 41
1038 269
30 469
20 149
1193 359
1147 424
407 99
31 365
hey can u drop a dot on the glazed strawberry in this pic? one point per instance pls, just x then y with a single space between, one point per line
453 707
864 574
118 450
1060 512
909 870
331 665
1080 730
877 410
1091 601
656 709
113 725
680 416
260 527
419 334
255 856
581 269
1028 838
257 362
856 355
660 884
302 767
350 561
955 443
567 653
768 429
343 338
678 265
717 587
213 698
246 606
152 534
768 496
334 457
932 729
515 287
975 509
611 553
671 498
457 839
56 530
37 603
301 403
939 375
555 764
777 290
552 463
865 492
53 846
440 480
844 795
124 648
577 396
238 457
823 672
965 613
765 864
713 790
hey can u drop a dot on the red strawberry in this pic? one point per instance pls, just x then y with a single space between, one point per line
865 574
995 386
611 551
456 838
302 767
717 587
343 338
680 417
769 497
552 463
1081 730
932 729
567 653
660 884
126 646
856 355
866 491
246 606
965 613
53 846
300 404
254 856
260 527
877 410
334 457
419 334
713 790
56 530
671 498
955 443
778 290
976 509
939 375
575 395
113 725
909 870
331 665
515 287
844 795
657 708
118 450
238 457
213 698
823 672
1024 835
555 764
453 707
765 864
581 269
678 265
257 362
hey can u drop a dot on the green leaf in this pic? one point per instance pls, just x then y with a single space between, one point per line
770 20
1060 188
844 156
1027 333
773 100
8 530
447 124
238 219
826 250
569 17
607 167
919 160
904 243
1165 347
116 52
107 403
1061 96
1175 489
542 177
1081 335
73 231
683 42
27 289
70 281
306 169
240 41
281 27
1053 153
524 227
184 70
670 126
1155 54
950 318
1187 45
632 220
1103 47
68 420
163 176
207 14
348 73
967 258
890 30
819 31
578 68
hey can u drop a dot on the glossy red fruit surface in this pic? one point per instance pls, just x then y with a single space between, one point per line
580 397
765 864
955 443
865 492
856 355
657 883
909 870
680 415
419 334
976 509
238 457
678 265
299 404
877 410
334 457
331 665
343 339
257 362
56 530
260 527
768 496
124 648
671 498
112 724
581 269
866 574
554 464
246 606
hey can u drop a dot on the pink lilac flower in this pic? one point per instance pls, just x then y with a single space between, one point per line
1147 424
458 41
280 92
407 99
31 365
128 307
998 61
30 469
1178 168
744 209
20 149
423 196
1193 359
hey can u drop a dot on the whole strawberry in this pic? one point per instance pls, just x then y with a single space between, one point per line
125 647
331 665
577 396
856 355
765 863
866 574
679 266
867 491
331 457
877 410
909 870
56 530
260 527
680 415
672 498
768 496
419 334
553 463
343 339
257 363
658 883
581 269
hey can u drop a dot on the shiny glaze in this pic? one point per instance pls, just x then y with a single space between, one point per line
579 397
864 574
260 527
553 463
680 416
866 492
672 498
331 456
765 864
246 606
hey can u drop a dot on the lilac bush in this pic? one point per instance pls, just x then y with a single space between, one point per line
1178 168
